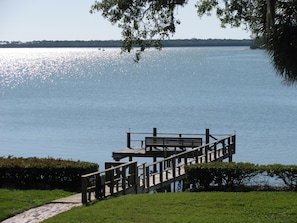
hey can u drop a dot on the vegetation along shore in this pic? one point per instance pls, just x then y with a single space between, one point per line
118 43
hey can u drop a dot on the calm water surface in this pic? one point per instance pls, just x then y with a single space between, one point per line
79 103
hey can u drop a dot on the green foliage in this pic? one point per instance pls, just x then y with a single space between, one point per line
287 173
235 13
143 23
118 43
274 22
42 173
220 175
226 176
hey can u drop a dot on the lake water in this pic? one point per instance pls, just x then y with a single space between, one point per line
79 103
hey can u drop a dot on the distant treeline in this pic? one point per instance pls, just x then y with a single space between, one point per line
118 43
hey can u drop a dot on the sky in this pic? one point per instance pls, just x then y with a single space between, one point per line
28 20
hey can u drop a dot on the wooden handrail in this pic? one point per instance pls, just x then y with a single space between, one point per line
89 180
195 158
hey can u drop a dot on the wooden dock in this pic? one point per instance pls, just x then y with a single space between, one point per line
168 173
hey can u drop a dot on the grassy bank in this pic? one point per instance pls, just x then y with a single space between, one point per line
189 207
13 202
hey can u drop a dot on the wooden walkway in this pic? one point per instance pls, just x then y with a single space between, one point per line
119 178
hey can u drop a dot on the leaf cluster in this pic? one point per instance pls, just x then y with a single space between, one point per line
287 173
43 173
143 23
273 22
226 176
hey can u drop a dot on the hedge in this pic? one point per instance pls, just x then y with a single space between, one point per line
43 173
229 176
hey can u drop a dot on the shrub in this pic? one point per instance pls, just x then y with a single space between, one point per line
287 173
43 173
220 175
226 176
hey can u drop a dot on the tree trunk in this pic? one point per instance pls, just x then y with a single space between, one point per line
270 15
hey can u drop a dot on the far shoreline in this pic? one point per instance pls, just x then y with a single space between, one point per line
118 43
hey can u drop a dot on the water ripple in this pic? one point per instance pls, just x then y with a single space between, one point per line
24 66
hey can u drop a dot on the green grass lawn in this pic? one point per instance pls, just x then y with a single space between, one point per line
13 202
189 207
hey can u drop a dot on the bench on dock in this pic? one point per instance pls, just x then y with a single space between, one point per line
173 142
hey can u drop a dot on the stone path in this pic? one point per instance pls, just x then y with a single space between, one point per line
41 213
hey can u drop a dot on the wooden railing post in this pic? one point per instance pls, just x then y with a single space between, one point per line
196 154
103 183
116 176
233 143
207 136
124 177
161 173
224 147
173 164
154 131
135 177
84 186
186 159
147 172
98 187
112 182
207 146
215 150
231 148
144 174
155 165
129 140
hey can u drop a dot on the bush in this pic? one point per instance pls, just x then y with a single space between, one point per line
219 175
229 176
287 173
43 173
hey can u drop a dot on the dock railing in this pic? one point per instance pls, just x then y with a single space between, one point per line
120 178
171 169
137 139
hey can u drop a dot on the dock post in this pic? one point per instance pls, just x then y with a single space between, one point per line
206 136
230 159
233 144
207 142
155 158
173 164
129 140
231 148
84 185
155 165
136 182
154 131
